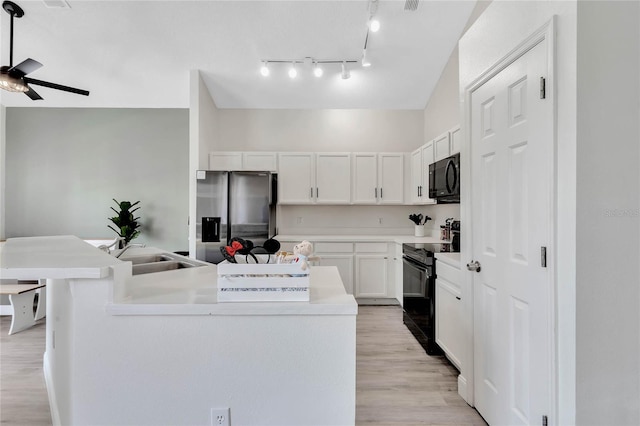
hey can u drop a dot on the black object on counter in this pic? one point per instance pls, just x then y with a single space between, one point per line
210 229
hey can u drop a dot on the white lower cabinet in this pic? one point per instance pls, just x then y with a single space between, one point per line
340 255
371 270
449 313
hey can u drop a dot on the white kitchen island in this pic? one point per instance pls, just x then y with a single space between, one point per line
157 349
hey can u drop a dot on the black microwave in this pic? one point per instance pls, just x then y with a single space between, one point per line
444 180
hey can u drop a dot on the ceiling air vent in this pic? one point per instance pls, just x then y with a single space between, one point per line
56 4
411 5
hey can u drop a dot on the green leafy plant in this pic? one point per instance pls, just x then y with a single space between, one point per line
126 223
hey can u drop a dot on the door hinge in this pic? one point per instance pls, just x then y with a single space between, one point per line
544 420
543 92
543 257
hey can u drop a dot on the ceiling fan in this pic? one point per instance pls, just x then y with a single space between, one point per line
13 78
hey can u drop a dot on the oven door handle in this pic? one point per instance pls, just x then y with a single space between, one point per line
415 265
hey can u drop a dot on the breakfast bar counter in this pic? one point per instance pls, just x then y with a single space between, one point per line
157 348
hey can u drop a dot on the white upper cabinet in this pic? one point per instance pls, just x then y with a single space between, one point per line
391 178
441 147
365 178
456 140
225 161
308 178
378 178
296 178
333 178
260 161
420 160
247 161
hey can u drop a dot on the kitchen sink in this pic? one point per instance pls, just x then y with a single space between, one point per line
136 260
149 264
169 265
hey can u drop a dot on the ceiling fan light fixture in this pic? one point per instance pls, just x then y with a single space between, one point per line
264 69
12 84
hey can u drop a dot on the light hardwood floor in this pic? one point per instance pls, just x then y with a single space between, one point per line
397 382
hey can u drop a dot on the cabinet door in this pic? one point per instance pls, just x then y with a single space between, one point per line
371 275
441 147
225 161
416 176
259 161
391 178
449 313
344 263
427 159
365 178
456 140
295 178
333 178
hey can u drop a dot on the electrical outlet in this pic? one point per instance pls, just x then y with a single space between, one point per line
220 417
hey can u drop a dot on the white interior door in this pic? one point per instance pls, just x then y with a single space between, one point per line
511 195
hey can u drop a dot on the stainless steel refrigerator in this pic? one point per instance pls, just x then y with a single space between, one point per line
233 204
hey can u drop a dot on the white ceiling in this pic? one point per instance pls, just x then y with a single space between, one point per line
138 54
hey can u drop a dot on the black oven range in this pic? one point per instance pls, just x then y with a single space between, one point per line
419 292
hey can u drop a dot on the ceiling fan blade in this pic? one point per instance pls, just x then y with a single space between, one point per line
33 94
24 68
56 86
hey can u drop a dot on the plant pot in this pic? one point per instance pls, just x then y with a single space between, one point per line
419 231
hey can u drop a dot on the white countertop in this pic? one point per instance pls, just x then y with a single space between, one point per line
452 259
188 291
361 238
57 257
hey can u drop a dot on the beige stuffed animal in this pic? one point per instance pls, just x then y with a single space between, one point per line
303 251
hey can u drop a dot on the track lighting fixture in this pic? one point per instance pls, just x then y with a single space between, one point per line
318 71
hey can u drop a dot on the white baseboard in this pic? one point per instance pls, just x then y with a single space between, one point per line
51 392
463 390
377 301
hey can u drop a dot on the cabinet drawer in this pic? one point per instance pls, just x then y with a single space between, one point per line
449 273
371 247
329 248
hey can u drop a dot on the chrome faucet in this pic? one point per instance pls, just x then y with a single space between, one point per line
127 247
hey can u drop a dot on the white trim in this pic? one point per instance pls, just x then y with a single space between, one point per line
546 32
51 392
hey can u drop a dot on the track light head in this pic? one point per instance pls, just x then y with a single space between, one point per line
317 71
264 69
365 60
374 25
345 71
293 72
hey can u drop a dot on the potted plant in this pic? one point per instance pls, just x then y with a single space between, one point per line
126 223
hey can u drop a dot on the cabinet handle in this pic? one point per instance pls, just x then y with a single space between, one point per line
317 192
457 298
376 190
380 193
311 195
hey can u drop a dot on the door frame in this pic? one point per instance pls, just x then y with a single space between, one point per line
466 379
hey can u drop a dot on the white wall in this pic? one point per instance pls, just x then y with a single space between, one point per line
319 130
64 166
608 198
